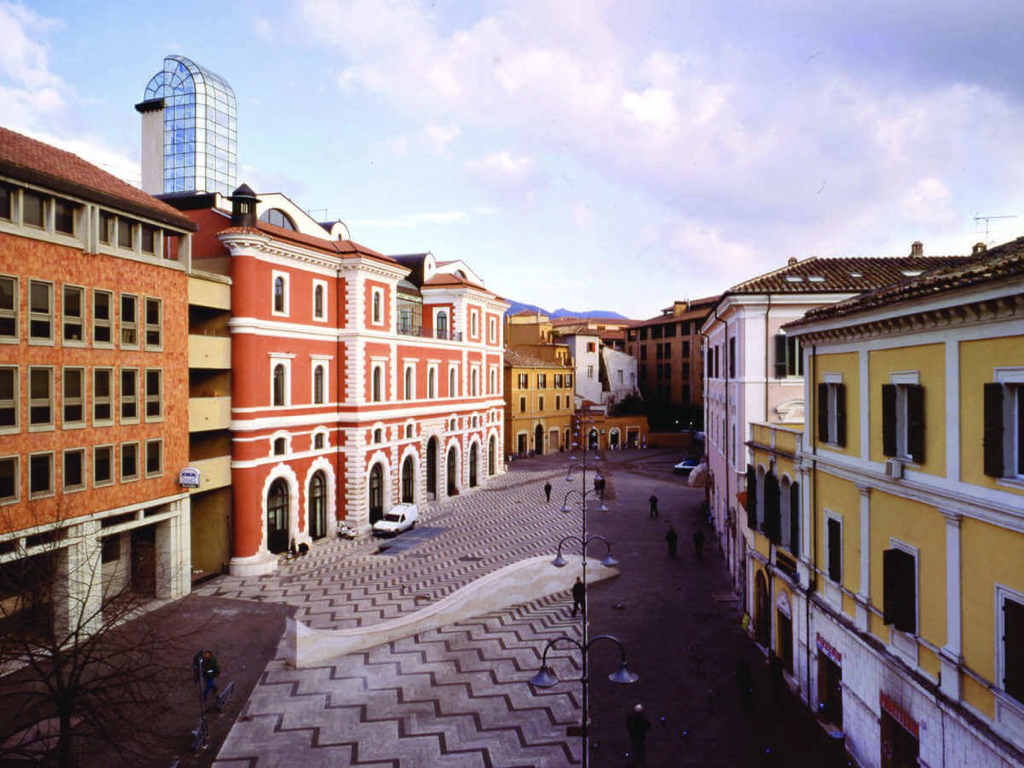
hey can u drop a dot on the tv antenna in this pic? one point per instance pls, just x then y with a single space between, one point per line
987 219
311 211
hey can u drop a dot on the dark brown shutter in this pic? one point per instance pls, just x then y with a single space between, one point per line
899 590
993 436
835 550
915 423
823 435
889 419
772 508
794 519
780 355
840 415
751 498
1013 649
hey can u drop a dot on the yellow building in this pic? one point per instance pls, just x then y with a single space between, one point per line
538 404
885 540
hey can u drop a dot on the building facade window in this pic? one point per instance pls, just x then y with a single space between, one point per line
279 385
9 399
903 421
73 400
72 313
899 589
378 306
154 323
280 294
129 395
9 480
40 475
453 390
32 214
590 371
474 383
8 309
1003 442
1010 629
409 383
102 396
74 469
319 300
432 382
524 381
40 393
318 385
377 383
40 311
154 458
279 446
102 320
154 394
124 233
789 360
832 413
102 465
834 549
129 462
129 320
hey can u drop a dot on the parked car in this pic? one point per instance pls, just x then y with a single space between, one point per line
401 518
686 466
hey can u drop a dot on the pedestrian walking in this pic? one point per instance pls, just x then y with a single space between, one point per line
210 669
547 490
698 543
638 725
578 595
672 539
654 505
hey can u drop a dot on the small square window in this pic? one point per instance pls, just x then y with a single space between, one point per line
280 446
318 441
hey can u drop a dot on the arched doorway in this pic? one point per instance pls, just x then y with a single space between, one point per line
474 456
453 481
592 439
318 506
408 479
538 440
277 517
432 466
376 493
762 611
491 455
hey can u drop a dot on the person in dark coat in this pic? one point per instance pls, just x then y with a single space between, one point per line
698 543
210 670
547 490
654 505
672 539
578 595
638 725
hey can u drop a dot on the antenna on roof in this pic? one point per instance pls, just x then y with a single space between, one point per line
987 219
311 211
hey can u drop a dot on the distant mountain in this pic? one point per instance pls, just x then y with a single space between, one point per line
518 306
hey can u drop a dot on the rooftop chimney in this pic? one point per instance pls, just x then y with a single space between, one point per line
978 248
917 248
243 207
792 260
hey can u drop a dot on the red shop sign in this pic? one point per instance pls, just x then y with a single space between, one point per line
898 714
826 647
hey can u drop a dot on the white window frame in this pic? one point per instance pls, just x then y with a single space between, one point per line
322 317
39 316
903 379
15 402
145 458
474 381
905 643
833 589
1012 380
113 465
409 381
286 361
123 325
377 317
492 381
453 376
122 401
281 434
323 364
147 326
65 400
492 330
50 491
107 323
111 399
63 471
64 324
474 323
286 289
379 368
17 479
48 426
120 463
320 431
159 399
13 313
432 376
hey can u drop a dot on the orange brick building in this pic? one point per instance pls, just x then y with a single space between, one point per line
93 379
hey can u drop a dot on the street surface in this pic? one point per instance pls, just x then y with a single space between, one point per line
459 696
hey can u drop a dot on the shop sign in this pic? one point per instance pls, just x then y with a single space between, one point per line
188 477
827 648
898 714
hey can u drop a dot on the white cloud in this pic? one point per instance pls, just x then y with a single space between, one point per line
440 136
507 175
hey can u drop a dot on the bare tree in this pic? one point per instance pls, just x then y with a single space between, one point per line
80 665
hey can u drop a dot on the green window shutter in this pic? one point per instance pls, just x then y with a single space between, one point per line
993 435
780 355
823 435
794 519
841 415
889 419
915 423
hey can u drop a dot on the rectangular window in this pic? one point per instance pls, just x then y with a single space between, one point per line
129 461
8 479
102 396
568 379
129 320
129 395
154 457
73 400
1013 647
732 357
522 405
686 393
670 330
40 311
102 465
64 217
107 221
789 359
558 381
31 209
590 371
74 469
8 308
903 421
899 589
124 233
524 381
558 402
686 348
102 302
155 393
835 550
147 237
832 413
40 393
6 195
154 321
540 404
40 475
542 381
643 352
73 309
9 399
1003 441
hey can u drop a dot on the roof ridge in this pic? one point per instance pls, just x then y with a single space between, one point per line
774 271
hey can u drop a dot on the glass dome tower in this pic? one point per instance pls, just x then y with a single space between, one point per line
198 151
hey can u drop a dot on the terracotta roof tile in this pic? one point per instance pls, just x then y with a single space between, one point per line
335 247
999 263
33 161
519 359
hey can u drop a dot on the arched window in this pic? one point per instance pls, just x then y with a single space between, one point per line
280 446
318 385
279 385
408 479
376 493
279 294
318 441
473 324
493 383
318 506
277 517
452 392
474 383
409 432
318 301
377 384
376 306
491 458
451 426
409 393
278 218
378 435
432 383
442 325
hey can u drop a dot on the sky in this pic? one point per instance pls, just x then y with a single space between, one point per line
588 154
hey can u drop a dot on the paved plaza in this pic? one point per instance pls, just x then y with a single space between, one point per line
459 696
